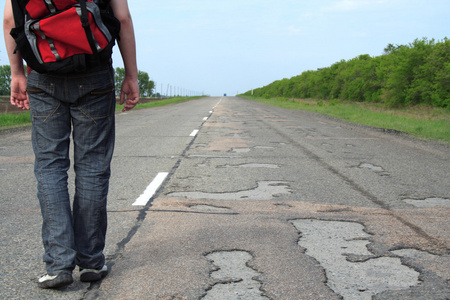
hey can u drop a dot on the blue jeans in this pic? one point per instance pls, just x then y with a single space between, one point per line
82 105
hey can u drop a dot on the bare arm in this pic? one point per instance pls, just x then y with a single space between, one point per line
127 46
19 95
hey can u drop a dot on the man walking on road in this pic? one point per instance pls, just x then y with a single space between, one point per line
81 104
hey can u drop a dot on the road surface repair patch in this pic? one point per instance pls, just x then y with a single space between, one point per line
266 190
377 169
429 202
439 264
233 278
210 208
269 166
333 243
371 167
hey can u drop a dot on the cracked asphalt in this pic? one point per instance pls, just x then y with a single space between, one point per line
259 202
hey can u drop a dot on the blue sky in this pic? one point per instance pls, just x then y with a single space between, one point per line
232 46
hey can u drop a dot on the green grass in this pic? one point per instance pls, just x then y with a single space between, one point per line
8 120
162 102
421 122
14 120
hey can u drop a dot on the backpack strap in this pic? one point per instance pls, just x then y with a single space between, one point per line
85 23
50 6
18 12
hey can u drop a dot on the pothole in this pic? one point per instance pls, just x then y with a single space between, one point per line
266 190
428 202
209 208
281 205
241 150
246 150
268 166
438 264
233 278
332 244
377 169
371 167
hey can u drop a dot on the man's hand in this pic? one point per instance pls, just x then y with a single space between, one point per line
129 94
19 96
127 46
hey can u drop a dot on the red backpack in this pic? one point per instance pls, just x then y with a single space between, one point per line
64 36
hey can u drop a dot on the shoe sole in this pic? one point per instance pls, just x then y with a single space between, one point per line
93 275
60 281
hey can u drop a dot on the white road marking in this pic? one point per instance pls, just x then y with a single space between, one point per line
151 189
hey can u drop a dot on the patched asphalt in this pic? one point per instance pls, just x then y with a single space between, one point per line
258 203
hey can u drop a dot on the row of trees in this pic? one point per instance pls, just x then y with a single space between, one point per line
5 80
418 73
146 86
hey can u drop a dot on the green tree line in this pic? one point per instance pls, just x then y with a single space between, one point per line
5 80
146 86
417 73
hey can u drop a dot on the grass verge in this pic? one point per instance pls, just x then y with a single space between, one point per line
421 121
13 120
162 102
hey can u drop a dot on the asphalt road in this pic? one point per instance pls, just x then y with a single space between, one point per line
226 198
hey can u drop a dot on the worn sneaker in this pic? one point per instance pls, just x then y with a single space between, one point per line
88 275
53 282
